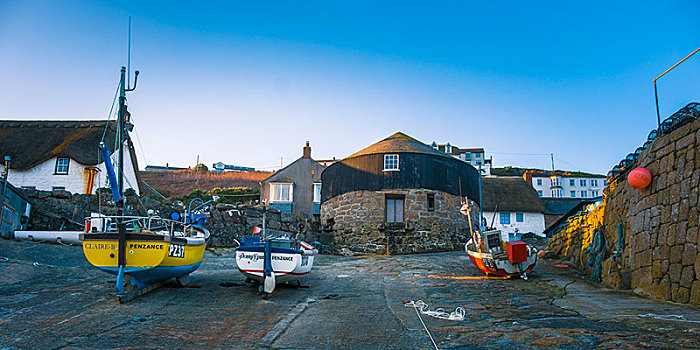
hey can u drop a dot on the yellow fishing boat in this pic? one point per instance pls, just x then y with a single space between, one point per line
155 249
144 252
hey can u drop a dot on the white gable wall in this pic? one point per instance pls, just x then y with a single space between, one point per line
532 222
43 178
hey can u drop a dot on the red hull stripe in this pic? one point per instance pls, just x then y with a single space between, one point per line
279 272
496 271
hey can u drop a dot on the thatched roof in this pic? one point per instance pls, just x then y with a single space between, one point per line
510 194
399 143
31 142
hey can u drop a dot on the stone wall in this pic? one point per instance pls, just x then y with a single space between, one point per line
660 223
59 210
356 221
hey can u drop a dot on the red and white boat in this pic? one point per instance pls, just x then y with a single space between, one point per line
497 258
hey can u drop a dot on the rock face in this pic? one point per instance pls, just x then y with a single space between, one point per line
659 246
59 210
357 222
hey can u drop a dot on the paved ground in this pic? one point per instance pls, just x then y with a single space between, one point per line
50 298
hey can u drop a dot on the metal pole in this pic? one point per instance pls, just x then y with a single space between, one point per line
4 187
658 116
121 226
656 96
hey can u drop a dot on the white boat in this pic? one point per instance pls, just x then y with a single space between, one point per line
499 259
274 261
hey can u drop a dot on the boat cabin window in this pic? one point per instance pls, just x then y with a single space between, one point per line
281 192
394 209
62 166
391 162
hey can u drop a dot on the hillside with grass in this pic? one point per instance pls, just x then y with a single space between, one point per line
182 182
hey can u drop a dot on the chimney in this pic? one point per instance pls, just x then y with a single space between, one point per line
307 151
527 176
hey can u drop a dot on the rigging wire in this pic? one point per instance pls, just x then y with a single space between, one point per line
138 139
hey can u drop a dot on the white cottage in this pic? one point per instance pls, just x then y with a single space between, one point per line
510 204
62 155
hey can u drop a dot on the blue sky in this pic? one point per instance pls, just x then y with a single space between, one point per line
248 83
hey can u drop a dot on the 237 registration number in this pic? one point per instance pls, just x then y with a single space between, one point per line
177 251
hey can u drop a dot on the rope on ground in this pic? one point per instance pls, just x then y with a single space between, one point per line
421 321
457 315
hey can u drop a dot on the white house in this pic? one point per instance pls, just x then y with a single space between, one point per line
474 156
62 155
559 183
564 184
510 203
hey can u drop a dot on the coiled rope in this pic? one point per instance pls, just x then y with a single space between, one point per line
422 308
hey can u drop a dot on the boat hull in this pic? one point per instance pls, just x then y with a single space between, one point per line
500 267
149 257
287 264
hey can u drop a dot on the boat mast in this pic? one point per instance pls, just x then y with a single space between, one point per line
120 137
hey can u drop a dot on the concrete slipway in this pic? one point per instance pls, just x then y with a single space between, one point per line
50 298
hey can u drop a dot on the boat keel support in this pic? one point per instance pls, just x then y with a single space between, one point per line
137 292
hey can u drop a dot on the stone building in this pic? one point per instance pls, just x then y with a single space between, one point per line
398 195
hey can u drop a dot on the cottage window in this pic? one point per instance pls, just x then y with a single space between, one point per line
281 192
572 182
391 162
594 193
539 193
584 194
505 218
594 182
317 192
519 217
573 194
431 201
539 182
394 209
583 182
62 166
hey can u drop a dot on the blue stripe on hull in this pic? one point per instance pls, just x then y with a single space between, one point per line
143 276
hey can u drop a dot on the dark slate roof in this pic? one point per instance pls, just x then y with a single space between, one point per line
557 225
509 194
32 142
399 143
287 173
561 206
514 171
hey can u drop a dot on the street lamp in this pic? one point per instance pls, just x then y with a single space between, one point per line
656 94
4 187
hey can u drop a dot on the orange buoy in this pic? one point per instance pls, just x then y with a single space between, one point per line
639 178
